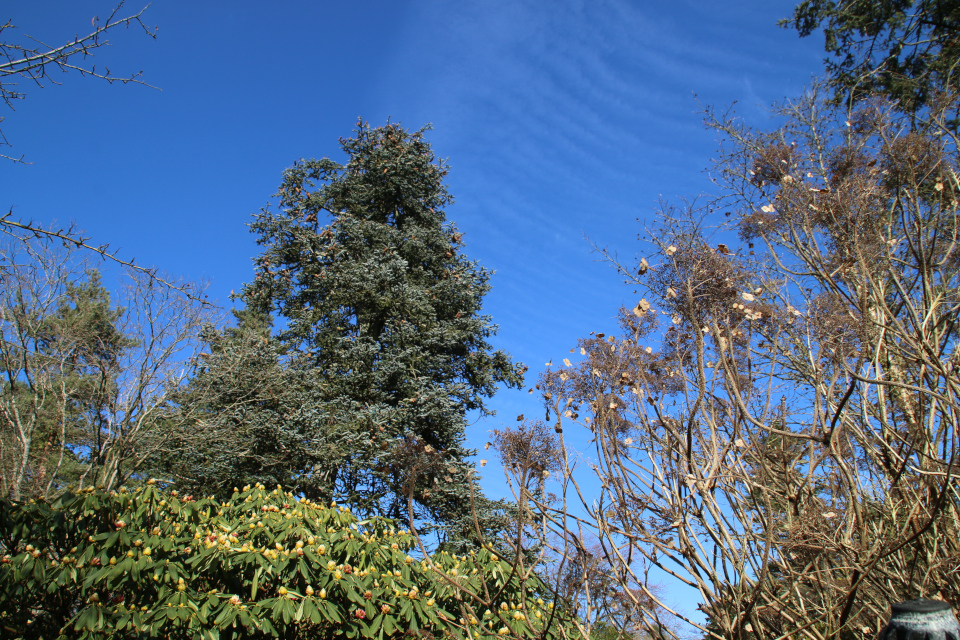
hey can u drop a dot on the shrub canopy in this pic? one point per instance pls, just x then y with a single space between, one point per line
149 563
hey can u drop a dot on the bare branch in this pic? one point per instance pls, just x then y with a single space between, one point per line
34 62
72 237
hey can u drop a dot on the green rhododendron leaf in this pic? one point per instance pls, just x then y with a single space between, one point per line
207 564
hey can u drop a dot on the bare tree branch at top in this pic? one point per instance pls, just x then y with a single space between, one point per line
34 61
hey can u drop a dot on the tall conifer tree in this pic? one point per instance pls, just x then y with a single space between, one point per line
380 315
903 50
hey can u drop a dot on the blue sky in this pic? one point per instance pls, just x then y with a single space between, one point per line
561 120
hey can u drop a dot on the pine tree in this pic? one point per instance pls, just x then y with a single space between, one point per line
903 50
381 333
84 331
63 357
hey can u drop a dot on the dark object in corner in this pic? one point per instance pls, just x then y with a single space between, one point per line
921 620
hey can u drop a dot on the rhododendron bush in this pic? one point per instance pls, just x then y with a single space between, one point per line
149 563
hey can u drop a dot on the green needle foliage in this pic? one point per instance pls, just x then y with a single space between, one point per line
57 381
381 348
906 50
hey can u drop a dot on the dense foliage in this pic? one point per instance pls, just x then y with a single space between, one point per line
380 347
153 564
904 50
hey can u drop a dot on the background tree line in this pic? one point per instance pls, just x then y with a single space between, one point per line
88 376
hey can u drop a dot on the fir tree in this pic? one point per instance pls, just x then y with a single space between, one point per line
381 338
